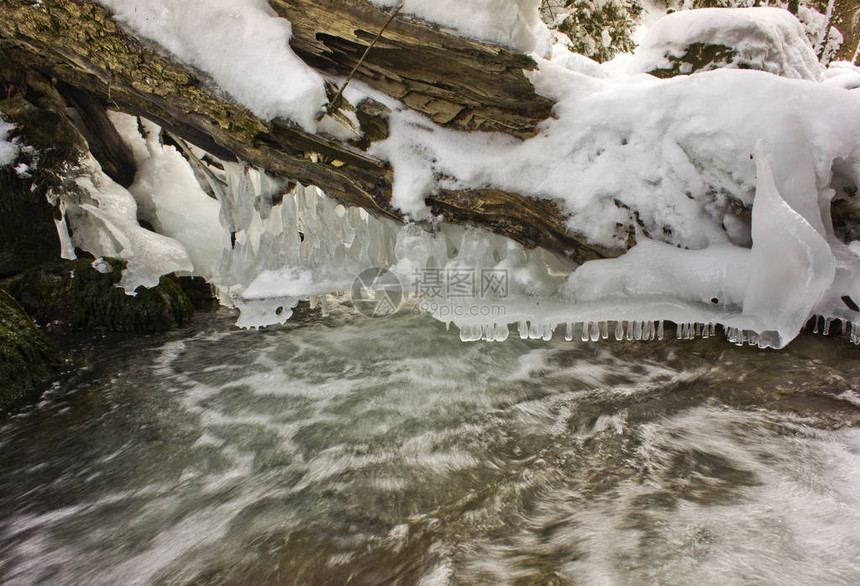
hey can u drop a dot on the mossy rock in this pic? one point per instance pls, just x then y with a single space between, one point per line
26 356
28 235
699 57
74 293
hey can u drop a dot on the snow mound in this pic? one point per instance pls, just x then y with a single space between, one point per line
509 23
242 44
766 39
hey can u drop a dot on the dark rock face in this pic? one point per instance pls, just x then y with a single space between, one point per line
74 293
52 148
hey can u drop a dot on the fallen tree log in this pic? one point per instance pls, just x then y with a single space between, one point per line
455 81
77 45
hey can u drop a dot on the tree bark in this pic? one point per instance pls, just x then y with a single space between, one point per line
455 81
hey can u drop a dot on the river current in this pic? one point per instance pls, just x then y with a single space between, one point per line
345 449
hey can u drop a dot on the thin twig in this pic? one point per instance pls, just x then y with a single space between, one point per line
549 9
334 101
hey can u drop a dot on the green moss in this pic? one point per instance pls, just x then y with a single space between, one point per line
699 57
25 354
74 293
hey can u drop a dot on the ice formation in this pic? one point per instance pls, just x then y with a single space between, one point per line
724 178
103 217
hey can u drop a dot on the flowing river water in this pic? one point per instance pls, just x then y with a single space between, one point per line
346 449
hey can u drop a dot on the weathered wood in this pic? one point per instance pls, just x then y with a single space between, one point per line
76 43
538 220
456 81
105 143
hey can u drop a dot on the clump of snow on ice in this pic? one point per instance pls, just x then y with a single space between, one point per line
509 23
767 39
242 44
8 149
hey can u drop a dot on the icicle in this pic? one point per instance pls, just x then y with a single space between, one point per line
660 330
845 323
568 331
470 332
752 339
584 335
698 332
629 330
713 329
502 332
855 333
547 332
487 332
679 331
815 326
595 332
827 323
535 331
523 328
324 311
604 330
706 330
619 331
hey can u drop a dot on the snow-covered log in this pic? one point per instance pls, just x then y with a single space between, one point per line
456 81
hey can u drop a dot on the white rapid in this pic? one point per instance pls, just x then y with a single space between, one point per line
348 448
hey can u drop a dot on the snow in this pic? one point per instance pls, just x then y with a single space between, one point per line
676 152
509 23
8 149
843 75
242 44
767 39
